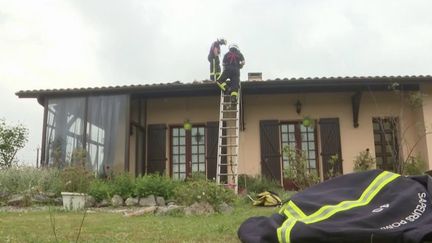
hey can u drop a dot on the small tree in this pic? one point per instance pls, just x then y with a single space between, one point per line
12 139
297 171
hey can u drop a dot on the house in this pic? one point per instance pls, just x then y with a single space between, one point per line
140 128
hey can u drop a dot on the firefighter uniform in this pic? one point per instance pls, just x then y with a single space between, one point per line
372 206
213 58
233 61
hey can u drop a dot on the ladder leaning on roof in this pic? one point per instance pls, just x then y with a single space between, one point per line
228 142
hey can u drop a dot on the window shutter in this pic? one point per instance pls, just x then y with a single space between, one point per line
212 149
270 149
156 149
330 144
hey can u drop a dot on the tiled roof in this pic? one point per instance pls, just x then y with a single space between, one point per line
206 84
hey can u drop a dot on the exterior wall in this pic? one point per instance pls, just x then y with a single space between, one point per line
199 110
426 116
174 111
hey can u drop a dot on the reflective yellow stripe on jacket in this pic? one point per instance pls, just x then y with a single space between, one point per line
295 214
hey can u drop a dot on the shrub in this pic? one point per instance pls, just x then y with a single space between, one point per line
24 179
257 184
364 161
100 189
123 185
76 178
203 191
297 171
155 185
415 165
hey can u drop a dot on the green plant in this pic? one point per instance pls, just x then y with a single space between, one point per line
364 161
123 185
100 189
79 157
155 185
15 180
415 165
257 184
415 99
297 171
190 192
76 178
332 162
12 139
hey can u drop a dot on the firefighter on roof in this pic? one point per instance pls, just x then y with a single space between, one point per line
213 58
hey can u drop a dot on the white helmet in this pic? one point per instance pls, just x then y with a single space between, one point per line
234 46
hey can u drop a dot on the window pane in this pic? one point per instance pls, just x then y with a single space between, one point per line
284 128
194 167
175 150
202 167
194 149
291 128
312 155
182 132
182 167
175 132
175 141
175 160
312 164
284 137
182 141
201 158
311 136
194 158
182 150
201 149
291 137
302 128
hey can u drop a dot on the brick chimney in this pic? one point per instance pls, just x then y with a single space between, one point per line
254 76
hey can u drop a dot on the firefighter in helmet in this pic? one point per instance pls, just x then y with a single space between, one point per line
233 61
213 58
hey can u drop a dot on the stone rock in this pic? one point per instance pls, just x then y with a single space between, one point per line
171 203
41 199
50 194
19 200
117 201
225 208
103 203
146 210
90 201
58 201
147 201
169 209
131 201
4 195
160 201
201 208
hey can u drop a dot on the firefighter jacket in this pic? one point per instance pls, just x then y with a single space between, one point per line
373 206
233 59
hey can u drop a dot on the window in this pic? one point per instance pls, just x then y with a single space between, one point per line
386 143
300 138
187 151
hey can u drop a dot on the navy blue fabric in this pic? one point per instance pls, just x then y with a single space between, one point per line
400 212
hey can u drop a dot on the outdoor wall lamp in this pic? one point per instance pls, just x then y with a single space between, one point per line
298 106
187 125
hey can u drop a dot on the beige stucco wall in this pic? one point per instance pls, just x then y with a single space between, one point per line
199 110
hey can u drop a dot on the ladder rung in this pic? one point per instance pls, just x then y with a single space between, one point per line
228 145
228 103
230 155
229 127
229 119
230 111
229 136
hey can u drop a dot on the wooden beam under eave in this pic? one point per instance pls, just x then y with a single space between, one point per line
355 101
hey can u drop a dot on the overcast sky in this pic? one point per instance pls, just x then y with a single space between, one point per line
48 44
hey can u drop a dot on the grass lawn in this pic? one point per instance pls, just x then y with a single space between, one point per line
113 227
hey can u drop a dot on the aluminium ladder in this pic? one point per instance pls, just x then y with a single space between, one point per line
228 142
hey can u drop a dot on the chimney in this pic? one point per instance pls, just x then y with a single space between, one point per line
254 76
